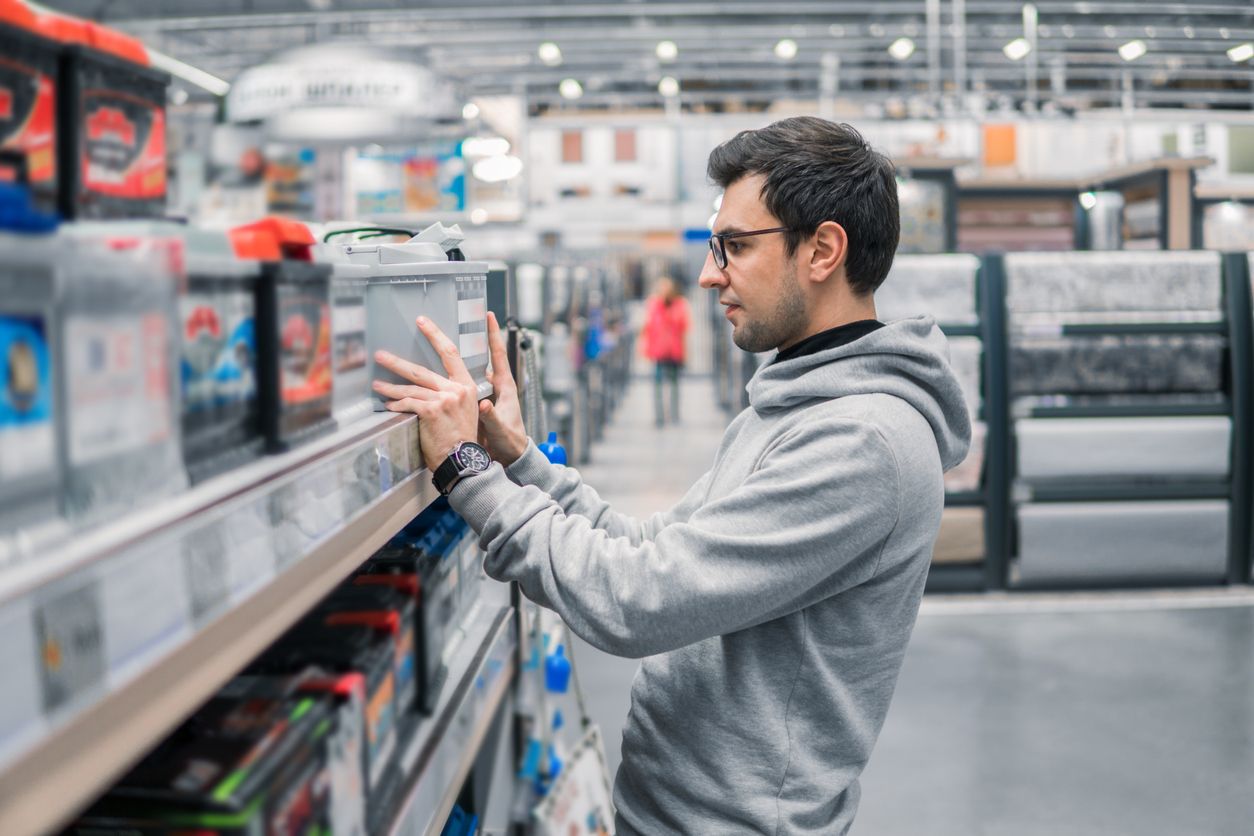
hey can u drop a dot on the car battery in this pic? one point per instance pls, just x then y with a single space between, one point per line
350 649
111 143
425 276
293 331
219 360
429 560
350 387
30 472
250 761
28 96
120 428
345 750
384 609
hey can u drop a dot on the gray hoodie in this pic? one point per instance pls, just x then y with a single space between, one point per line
773 603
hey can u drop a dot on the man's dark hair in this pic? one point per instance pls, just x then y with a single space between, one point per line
819 171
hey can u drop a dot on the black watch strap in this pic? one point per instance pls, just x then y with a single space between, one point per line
445 476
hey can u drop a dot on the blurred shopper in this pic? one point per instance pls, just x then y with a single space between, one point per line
663 341
772 606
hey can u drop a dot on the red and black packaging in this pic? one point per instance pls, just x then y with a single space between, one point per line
111 146
29 69
293 331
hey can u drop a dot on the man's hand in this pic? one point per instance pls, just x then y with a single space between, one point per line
446 407
501 423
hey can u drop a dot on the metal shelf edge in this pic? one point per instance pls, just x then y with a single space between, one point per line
63 772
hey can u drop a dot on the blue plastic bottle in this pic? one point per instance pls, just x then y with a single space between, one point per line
553 451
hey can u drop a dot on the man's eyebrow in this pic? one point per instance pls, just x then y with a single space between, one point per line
729 230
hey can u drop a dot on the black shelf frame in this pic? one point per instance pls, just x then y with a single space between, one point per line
997 542
1238 406
1123 329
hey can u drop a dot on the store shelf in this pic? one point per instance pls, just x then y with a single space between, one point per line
959 499
1116 329
442 749
961 330
1146 410
1095 491
110 643
955 578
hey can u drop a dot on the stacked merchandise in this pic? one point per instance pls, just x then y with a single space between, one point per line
28 87
1122 424
923 220
307 739
944 287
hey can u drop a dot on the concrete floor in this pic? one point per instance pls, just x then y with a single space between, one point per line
1017 715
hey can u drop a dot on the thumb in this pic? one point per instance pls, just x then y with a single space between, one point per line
487 413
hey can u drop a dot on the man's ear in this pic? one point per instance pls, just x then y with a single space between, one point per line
831 247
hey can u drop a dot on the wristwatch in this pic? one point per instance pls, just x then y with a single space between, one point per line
467 459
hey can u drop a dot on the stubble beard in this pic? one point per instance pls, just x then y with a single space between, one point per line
784 321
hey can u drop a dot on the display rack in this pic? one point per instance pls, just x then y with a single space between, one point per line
929 214
1192 489
145 642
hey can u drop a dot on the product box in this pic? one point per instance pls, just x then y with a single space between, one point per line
250 761
350 387
111 144
350 649
120 433
219 360
30 473
28 93
294 336
381 608
426 276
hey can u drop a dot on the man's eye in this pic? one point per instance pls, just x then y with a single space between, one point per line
734 246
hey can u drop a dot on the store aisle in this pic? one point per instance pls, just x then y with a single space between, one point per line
640 469
1070 714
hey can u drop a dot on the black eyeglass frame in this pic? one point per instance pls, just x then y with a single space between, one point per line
720 249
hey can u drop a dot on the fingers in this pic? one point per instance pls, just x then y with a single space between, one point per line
414 405
496 341
447 350
398 392
410 371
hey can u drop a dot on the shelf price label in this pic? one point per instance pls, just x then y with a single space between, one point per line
69 632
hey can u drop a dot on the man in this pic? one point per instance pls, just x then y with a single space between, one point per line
775 601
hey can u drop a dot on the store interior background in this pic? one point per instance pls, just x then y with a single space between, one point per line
577 134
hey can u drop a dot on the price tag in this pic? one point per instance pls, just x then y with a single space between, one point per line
21 720
206 571
69 632
145 605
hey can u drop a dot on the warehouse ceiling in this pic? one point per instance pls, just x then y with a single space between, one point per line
956 55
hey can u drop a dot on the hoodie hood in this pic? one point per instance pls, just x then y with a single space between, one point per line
908 359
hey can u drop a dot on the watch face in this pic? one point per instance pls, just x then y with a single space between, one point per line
472 457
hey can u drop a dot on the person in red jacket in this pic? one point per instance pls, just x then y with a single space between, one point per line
665 329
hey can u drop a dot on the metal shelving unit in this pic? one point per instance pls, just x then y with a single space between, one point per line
111 643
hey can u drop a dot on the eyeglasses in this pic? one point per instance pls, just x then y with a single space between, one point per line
718 243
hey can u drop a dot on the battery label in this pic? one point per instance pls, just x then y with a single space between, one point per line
235 372
380 736
305 347
202 340
118 383
123 145
27 431
27 117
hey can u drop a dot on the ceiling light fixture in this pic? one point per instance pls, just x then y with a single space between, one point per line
1241 52
667 50
470 111
497 169
668 87
187 72
1017 49
1088 200
485 146
901 49
786 49
550 53
1132 50
570 89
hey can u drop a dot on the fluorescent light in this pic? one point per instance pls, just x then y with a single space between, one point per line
485 146
470 111
1241 52
1030 17
1132 50
1088 200
570 89
550 53
479 216
668 87
1016 49
901 49
187 72
497 169
667 50
786 48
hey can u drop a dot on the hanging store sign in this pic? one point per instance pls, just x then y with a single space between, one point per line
331 77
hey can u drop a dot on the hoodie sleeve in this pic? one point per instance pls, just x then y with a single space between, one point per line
810 521
568 490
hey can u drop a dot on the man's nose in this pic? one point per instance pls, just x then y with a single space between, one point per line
711 277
